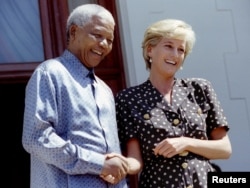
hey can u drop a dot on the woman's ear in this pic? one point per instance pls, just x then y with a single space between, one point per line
149 51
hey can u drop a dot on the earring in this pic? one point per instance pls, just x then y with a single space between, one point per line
150 60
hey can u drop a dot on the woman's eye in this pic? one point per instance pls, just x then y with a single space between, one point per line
181 50
168 46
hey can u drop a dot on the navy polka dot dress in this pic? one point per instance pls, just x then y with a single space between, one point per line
195 111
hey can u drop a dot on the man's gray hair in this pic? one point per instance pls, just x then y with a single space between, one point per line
83 14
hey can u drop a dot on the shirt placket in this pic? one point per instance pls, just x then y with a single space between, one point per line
104 116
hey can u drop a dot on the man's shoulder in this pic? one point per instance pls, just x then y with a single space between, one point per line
50 65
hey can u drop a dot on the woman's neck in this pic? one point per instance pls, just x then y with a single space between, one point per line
163 85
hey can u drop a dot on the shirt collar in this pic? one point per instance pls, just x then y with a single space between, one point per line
75 65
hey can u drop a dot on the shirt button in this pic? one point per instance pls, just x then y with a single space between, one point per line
146 116
184 153
176 121
199 111
184 165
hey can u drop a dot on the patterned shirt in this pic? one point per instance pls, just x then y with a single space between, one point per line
142 113
66 129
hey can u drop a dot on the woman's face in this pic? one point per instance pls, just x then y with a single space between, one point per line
92 42
167 57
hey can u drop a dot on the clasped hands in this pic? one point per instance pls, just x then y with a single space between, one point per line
115 168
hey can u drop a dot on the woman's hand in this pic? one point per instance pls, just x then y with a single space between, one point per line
218 147
170 147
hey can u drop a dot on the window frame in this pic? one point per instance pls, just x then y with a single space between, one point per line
54 41
53 16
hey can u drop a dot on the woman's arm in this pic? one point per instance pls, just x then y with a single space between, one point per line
134 156
219 147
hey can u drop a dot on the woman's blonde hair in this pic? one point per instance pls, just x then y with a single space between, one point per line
168 28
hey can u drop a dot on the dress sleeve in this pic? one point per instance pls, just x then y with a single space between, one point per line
126 125
216 117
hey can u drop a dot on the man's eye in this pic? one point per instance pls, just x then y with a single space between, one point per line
110 41
96 35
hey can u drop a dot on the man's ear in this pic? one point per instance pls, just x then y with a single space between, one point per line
72 31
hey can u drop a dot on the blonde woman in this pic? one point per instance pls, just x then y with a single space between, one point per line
171 126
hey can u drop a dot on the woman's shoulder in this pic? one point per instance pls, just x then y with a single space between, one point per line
202 82
133 90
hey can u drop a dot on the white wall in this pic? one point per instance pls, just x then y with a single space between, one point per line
221 55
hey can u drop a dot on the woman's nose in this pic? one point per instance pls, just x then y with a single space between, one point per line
175 52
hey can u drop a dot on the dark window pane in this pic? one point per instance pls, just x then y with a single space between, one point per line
20 32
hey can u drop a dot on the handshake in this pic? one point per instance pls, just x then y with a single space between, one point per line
116 167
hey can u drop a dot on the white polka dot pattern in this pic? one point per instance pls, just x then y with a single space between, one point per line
142 113
66 131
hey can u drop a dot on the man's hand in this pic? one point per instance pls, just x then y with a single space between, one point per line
115 168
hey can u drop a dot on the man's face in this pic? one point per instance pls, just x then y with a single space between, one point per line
92 42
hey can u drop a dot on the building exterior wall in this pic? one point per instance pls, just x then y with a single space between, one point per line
221 55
